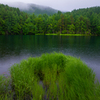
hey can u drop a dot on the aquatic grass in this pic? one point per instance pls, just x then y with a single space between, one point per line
4 84
69 34
52 76
24 82
22 79
5 90
79 81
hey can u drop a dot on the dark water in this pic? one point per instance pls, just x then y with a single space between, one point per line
15 48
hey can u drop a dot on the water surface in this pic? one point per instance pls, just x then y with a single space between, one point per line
15 48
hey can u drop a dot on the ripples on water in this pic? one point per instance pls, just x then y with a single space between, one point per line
15 48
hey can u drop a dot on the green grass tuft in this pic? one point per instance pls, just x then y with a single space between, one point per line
52 76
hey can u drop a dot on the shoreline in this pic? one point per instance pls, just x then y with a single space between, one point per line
67 34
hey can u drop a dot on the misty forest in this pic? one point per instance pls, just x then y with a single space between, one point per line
81 21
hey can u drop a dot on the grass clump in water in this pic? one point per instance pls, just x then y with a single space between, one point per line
5 87
53 76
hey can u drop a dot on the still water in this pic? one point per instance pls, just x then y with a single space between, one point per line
15 48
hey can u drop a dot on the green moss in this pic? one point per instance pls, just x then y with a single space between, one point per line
53 76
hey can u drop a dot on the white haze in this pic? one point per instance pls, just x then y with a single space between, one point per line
63 5
19 5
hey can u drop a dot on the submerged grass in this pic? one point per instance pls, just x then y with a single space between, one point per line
50 77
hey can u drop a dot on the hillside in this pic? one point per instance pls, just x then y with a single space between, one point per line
86 11
33 8
82 21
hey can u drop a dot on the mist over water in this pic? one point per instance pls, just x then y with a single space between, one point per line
15 48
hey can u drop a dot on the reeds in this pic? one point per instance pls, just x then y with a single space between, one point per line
52 76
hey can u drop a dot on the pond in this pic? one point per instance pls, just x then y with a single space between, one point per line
15 48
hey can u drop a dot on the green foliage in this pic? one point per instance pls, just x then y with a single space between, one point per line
64 31
51 76
71 29
4 87
81 21
98 30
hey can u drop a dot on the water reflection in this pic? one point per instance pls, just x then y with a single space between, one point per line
15 48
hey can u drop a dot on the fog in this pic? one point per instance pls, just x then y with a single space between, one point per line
63 5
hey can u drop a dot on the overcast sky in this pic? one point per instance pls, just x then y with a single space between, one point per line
63 5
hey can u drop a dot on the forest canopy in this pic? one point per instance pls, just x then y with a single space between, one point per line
81 21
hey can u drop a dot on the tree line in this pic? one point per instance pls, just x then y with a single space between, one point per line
81 21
